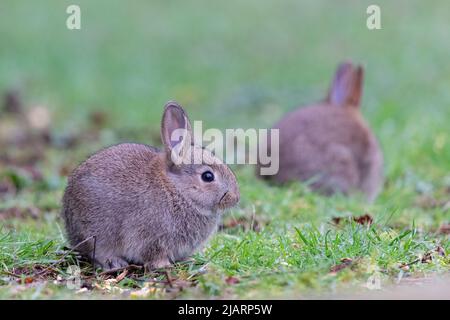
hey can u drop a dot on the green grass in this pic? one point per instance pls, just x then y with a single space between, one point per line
234 64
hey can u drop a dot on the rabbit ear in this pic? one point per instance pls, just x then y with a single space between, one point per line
176 132
346 89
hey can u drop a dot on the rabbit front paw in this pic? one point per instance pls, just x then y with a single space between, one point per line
110 263
157 264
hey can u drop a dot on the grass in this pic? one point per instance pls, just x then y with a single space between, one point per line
231 72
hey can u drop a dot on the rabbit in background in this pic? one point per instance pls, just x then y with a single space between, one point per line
329 144
145 206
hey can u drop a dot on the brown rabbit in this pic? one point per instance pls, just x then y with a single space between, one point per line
147 206
329 144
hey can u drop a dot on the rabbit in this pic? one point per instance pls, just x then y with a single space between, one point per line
329 144
147 206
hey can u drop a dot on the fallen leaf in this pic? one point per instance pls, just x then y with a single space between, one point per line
28 280
336 220
427 257
444 228
404 267
345 263
231 280
244 223
121 276
440 251
365 219
109 285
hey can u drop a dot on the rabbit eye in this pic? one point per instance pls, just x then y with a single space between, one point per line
208 176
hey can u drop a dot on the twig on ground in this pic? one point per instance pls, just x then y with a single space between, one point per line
129 267
64 256
169 280
11 274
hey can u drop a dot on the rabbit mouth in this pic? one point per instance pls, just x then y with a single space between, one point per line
228 200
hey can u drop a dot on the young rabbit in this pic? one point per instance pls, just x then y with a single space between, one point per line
148 206
329 144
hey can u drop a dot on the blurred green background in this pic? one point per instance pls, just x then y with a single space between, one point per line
233 63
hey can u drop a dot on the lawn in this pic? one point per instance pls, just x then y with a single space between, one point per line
232 64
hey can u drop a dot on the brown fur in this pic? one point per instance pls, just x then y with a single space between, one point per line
142 208
329 144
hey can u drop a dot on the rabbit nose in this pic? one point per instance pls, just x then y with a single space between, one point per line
236 198
229 199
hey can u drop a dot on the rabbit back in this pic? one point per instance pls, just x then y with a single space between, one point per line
105 191
332 148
